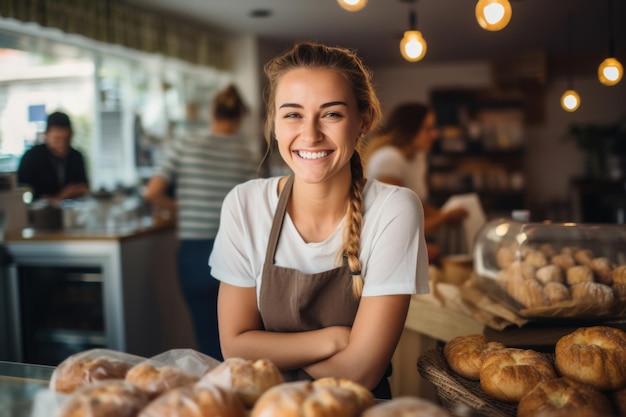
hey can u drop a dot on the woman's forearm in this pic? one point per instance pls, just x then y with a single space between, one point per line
287 350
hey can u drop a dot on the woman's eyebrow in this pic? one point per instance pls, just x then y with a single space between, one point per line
323 106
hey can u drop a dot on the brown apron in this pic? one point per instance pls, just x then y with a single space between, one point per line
292 301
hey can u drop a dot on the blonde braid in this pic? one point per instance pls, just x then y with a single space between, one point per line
352 233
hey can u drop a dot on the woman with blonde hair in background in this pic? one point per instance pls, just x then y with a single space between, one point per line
317 268
203 169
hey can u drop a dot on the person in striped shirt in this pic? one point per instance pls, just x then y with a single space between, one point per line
202 170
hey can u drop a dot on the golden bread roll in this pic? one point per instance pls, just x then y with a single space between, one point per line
248 379
530 293
578 274
593 355
550 273
583 256
536 259
465 354
306 399
509 374
505 257
592 292
77 371
156 380
114 398
548 250
196 401
407 407
619 290
619 275
603 270
557 292
364 397
563 260
564 397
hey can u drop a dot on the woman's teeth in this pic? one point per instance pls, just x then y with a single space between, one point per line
312 155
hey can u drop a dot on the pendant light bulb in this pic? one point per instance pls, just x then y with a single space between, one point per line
413 46
610 71
352 5
493 15
570 100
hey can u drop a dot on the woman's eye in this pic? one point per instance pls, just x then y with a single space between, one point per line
333 115
291 115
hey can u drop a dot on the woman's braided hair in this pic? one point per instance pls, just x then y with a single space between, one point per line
346 62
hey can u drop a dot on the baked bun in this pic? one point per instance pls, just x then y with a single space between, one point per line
248 379
578 274
79 370
407 407
196 401
156 380
364 397
593 292
619 275
306 399
603 270
550 273
593 355
105 399
556 292
465 354
563 260
564 397
509 374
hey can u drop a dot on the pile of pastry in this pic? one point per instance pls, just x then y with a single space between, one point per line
544 277
587 376
185 383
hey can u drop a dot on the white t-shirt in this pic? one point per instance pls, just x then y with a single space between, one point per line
389 161
393 250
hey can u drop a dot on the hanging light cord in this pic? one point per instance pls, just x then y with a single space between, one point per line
413 16
570 83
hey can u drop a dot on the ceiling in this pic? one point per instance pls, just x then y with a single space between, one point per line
449 26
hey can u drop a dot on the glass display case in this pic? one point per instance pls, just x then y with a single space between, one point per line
554 270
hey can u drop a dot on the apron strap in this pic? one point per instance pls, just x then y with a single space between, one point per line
277 223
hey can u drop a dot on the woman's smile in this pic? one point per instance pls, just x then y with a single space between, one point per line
312 155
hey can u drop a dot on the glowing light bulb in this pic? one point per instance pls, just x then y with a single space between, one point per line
570 100
610 71
352 5
413 46
493 15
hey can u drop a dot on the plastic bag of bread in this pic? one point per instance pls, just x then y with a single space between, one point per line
248 379
171 369
407 407
90 366
108 398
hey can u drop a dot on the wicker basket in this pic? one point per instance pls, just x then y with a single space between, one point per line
455 392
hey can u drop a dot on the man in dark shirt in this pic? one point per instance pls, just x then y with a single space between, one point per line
54 170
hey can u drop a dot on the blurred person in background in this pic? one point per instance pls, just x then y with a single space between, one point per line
54 170
203 169
398 155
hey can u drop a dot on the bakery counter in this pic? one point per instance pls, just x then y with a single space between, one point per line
72 290
19 383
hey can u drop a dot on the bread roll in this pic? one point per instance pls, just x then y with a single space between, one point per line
196 401
79 370
407 407
105 399
248 379
536 259
563 260
530 293
578 274
364 397
592 292
550 273
306 399
465 354
593 355
548 250
505 257
603 270
509 374
619 290
583 256
564 397
556 292
619 275
156 380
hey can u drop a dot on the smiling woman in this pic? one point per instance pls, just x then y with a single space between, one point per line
327 293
